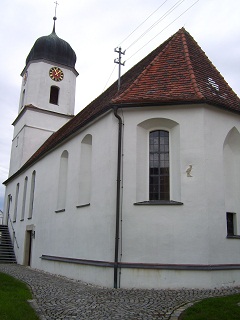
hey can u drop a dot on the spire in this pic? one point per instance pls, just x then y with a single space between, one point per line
54 19
52 48
55 16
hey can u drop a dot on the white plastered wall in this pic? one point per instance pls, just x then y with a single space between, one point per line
193 233
83 232
31 130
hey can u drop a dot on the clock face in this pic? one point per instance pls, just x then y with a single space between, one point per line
56 74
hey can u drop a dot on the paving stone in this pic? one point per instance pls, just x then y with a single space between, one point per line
59 298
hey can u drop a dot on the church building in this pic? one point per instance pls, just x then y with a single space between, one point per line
140 188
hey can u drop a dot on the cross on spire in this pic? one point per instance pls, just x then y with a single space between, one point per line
55 16
57 4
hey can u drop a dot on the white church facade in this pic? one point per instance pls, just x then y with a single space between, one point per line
139 189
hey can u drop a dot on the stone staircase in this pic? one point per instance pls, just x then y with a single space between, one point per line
6 248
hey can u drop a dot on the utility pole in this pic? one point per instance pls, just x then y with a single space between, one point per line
120 63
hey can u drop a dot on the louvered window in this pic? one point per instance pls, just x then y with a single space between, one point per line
54 95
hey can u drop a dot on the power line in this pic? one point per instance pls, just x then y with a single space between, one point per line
177 4
109 77
142 23
162 30
168 12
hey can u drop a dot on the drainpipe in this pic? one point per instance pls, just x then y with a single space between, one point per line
119 165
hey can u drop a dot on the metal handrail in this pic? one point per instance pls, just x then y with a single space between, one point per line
14 233
1 217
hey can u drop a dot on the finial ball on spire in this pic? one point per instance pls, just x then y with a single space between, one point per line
55 17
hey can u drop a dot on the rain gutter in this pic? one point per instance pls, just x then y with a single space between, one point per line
119 165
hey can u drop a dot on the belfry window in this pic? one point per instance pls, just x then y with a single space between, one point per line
54 94
159 165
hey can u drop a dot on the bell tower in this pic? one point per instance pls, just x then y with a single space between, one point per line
47 97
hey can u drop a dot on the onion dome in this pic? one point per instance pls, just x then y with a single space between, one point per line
52 48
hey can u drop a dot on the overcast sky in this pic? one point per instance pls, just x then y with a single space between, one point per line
94 28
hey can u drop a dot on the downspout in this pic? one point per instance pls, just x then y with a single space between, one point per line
119 165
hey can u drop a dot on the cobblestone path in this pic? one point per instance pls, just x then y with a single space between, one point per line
57 297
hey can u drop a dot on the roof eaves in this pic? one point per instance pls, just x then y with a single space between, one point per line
156 103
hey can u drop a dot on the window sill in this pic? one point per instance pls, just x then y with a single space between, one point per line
83 205
61 210
233 237
159 202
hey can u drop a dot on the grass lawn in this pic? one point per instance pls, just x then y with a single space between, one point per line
13 300
222 308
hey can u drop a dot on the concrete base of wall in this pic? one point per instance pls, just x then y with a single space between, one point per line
147 276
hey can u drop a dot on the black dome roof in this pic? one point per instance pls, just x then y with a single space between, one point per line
54 49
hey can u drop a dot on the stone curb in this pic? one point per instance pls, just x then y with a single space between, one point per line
177 312
34 305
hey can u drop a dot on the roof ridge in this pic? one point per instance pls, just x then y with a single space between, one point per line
189 66
146 69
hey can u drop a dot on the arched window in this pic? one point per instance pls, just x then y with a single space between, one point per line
62 182
16 203
32 190
24 198
159 165
231 158
54 94
157 178
86 170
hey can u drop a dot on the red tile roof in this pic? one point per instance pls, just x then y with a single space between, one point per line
177 72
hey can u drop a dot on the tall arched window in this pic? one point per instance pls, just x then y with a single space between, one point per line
54 94
16 203
62 183
231 157
24 198
86 169
150 152
32 190
159 165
